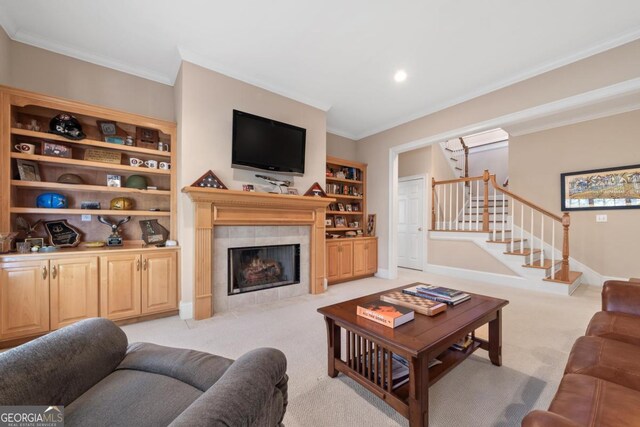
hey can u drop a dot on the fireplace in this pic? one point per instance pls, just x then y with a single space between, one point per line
262 267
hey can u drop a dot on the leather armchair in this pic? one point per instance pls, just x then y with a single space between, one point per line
621 297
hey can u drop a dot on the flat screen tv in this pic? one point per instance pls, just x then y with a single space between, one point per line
265 144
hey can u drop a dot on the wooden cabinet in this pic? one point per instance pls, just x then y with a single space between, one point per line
159 282
371 256
24 298
136 284
349 259
120 290
73 284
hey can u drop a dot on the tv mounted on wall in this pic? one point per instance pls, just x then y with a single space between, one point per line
265 144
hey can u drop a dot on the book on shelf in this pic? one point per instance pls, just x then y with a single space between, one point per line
399 368
385 313
418 304
420 291
463 343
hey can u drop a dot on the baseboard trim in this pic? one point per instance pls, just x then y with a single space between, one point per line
383 273
186 310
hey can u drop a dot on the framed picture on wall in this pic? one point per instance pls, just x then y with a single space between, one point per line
600 189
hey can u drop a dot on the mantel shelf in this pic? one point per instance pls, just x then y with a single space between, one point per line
220 197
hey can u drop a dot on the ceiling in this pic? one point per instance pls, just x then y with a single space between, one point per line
336 55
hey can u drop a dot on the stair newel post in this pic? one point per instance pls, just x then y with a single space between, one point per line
566 221
485 206
466 159
434 226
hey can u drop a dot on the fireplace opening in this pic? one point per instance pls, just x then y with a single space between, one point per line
263 267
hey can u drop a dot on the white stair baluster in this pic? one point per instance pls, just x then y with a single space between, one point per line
531 244
513 233
478 205
553 249
444 207
457 211
437 226
541 239
522 228
450 207
495 213
464 204
495 225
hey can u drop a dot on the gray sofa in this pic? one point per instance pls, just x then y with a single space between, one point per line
102 381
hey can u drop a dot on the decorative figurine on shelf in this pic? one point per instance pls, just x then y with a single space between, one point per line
51 201
276 183
115 239
23 226
66 125
62 234
153 233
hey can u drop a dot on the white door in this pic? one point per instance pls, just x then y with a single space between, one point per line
410 222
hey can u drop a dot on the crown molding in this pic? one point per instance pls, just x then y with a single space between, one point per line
341 133
205 62
535 71
7 23
43 43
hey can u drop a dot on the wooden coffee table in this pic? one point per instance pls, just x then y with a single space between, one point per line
368 344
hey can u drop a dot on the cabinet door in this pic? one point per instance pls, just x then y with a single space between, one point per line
333 261
346 259
159 282
359 257
120 278
372 256
74 290
24 298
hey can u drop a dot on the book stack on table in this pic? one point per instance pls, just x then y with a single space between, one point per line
438 293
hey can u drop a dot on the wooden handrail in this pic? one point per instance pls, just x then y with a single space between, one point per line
523 201
451 181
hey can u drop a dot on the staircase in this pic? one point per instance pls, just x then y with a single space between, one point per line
530 241
458 154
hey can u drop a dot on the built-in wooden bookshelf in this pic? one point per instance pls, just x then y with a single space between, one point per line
346 182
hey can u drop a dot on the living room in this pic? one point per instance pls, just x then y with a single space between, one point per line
167 102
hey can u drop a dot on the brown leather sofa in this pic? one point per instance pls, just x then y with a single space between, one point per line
601 383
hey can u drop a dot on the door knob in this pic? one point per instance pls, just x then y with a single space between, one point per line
419 228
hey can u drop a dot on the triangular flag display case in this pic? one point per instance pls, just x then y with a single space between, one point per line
209 180
316 190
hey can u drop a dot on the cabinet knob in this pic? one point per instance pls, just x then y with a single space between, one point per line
144 264
54 272
138 264
44 272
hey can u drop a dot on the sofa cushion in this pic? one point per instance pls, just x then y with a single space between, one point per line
57 368
610 360
131 398
198 369
615 326
590 401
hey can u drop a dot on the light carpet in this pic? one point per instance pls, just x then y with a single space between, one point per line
538 332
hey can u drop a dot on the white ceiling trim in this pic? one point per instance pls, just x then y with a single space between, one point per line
208 63
341 133
552 124
618 90
594 50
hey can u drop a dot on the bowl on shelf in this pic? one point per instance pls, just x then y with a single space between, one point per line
95 244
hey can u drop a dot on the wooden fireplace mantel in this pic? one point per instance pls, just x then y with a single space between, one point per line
229 207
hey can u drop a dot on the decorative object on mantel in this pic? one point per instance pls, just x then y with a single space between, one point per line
61 234
275 182
114 239
209 180
315 190
248 187
153 233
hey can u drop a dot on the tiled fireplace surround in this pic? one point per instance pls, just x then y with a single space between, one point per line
225 237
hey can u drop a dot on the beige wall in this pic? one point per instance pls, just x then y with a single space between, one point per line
341 147
613 66
495 161
50 73
5 60
463 254
415 162
538 159
206 102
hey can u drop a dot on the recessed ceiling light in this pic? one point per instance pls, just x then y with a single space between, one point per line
400 76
